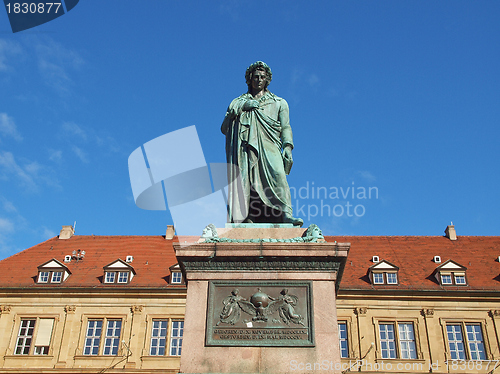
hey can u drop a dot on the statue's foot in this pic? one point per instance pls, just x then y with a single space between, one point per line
288 218
247 220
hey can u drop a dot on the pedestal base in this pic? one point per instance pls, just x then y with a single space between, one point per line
276 311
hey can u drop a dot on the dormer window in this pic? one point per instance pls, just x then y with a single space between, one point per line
378 278
118 272
43 276
451 273
392 278
446 279
123 276
383 272
176 275
110 277
52 271
56 276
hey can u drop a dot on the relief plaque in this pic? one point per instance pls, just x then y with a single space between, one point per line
260 313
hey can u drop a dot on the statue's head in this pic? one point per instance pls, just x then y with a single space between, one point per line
209 232
259 65
314 231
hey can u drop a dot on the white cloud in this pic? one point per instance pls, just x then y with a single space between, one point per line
72 129
10 166
29 174
80 154
8 206
54 63
47 233
8 127
6 225
7 49
55 155
369 177
313 80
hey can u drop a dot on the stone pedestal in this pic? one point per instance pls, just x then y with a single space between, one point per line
292 322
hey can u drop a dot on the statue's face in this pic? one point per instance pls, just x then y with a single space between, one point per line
207 232
259 80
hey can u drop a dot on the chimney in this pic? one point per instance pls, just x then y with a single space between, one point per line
66 232
170 232
450 232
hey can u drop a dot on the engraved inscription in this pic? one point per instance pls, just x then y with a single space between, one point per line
260 313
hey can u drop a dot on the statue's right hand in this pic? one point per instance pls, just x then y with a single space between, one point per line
250 104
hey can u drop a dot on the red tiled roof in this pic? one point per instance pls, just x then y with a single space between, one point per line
153 256
414 256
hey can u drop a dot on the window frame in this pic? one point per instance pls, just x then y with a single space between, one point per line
397 338
116 276
50 276
453 278
180 338
150 319
346 339
385 278
104 338
173 278
84 323
11 352
463 323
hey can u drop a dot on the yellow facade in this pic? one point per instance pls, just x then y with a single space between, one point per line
71 312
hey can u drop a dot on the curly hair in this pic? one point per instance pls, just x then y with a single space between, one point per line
259 65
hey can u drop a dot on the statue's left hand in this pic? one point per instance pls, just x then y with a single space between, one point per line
287 159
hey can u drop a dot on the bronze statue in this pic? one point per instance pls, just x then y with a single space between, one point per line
259 145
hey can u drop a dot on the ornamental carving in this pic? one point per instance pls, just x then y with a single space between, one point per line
495 313
361 311
136 309
325 265
428 313
70 309
5 309
260 305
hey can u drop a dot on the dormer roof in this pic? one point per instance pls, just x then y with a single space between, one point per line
383 265
118 265
451 265
52 265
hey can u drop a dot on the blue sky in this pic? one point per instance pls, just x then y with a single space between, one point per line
399 96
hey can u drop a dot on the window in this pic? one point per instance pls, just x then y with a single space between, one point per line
457 279
56 277
344 351
110 277
176 338
403 335
460 279
43 277
158 337
385 278
176 277
378 278
446 279
451 273
111 337
473 341
116 277
123 277
392 278
37 330
52 271
52 276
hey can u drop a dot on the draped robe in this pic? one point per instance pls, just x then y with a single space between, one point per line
254 142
